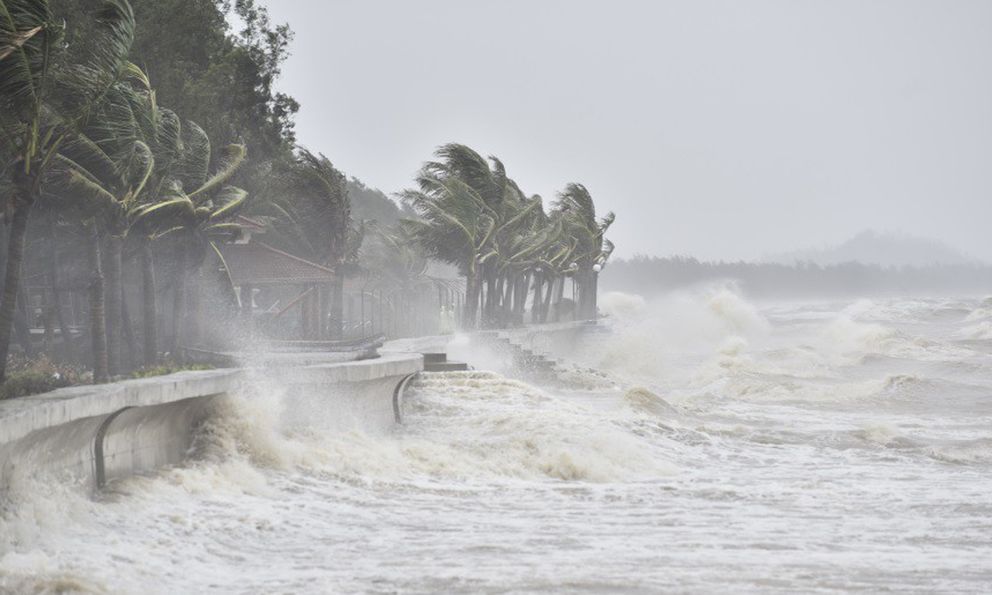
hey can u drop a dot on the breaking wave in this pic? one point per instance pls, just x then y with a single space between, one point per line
715 425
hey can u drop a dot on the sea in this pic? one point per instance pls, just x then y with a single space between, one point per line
702 443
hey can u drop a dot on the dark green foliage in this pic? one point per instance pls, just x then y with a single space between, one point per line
168 368
128 157
30 377
208 73
308 199
472 215
222 79
49 88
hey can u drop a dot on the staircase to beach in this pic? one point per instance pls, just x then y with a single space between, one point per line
538 367
438 362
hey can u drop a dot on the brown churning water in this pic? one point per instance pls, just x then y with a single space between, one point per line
764 448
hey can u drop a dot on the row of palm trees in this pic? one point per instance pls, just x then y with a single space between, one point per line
510 250
51 96
88 154
85 146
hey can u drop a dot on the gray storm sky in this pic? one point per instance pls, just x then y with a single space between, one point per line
722 129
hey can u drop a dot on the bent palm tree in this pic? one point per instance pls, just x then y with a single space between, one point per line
469 207
454 227
200 218
592 249
312 201
107 170
45 97
119 168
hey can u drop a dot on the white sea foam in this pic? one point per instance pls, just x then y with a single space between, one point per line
851 440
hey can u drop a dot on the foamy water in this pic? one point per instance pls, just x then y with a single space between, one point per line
789 447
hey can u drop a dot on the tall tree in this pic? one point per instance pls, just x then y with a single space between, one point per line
108 167
312 201
592 249
454 227
47 90
198 208
471 214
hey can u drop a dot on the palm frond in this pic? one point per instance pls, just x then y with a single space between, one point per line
232 199
193 166
94 197
27 38
231 159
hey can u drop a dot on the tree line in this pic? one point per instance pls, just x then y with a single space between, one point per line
472 215
652 275
125 130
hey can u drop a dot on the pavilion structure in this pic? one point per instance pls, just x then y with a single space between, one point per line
272 284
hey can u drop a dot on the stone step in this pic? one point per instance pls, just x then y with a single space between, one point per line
532 359
435 358
446 367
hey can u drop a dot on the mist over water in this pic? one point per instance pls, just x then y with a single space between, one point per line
743 446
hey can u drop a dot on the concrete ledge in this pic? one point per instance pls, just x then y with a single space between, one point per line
20 417
102 432
362 392
392 364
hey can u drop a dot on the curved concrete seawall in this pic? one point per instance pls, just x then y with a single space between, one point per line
92 434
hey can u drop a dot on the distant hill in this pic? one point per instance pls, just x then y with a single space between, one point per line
885 249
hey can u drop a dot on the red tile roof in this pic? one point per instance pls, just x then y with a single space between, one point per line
256 263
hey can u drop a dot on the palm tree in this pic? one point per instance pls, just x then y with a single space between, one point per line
121 167
453 227
471 214
592 249
200 218
554 265
108 168
311 200
46 95
519 243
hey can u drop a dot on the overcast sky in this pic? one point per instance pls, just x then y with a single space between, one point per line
719 129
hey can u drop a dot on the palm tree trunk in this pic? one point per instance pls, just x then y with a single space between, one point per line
48 341
470 310
496 306
53 280
194 295
112 258
179 303
507 306
127 330
520 298
559 296
579 279
538 303
12 277
22 325
593 295
98 325
149 310
492 295
549 296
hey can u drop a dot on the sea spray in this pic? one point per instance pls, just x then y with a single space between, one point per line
853 443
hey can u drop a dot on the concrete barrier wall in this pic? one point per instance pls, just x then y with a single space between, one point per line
551 339
146 438
93 434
